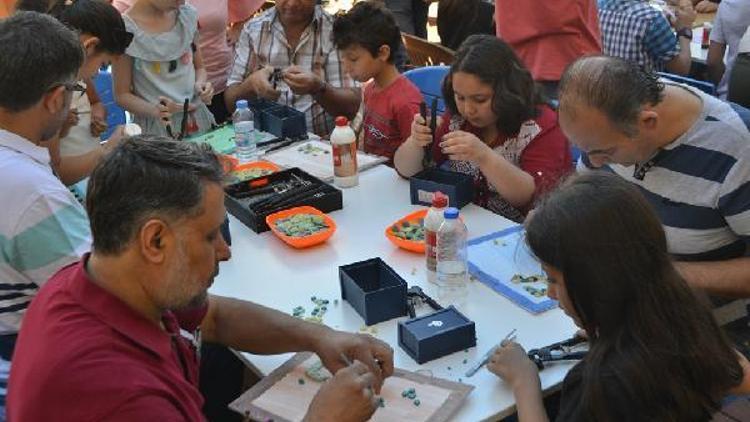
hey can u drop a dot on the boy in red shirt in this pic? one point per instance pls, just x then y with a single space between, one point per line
367 38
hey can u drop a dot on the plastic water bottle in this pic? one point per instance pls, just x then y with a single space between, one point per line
432 222
244 132
452 263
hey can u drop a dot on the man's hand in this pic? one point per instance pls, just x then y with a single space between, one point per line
98 123
114 139
206 91
302 82
464 146
259 83
706 6
347 397
375 354
684 15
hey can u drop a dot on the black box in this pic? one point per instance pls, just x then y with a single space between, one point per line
437 334
259 106
285 122
327 199
458 187
374 290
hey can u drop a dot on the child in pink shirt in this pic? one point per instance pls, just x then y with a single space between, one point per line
367 37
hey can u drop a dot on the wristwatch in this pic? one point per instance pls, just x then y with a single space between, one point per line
685 32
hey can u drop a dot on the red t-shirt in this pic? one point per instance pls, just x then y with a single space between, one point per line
549 35
83 354
388 114
543 152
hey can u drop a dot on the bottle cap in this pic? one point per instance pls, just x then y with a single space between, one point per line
439 200
241 103
451 213
342 121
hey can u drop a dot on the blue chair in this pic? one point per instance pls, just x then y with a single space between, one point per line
704 86
115 113
742 112
429 80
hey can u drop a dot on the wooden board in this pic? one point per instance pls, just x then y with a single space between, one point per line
282 398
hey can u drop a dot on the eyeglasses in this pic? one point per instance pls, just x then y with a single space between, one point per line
75 86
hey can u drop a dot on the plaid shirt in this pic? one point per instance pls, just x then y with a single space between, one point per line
635 31
263 42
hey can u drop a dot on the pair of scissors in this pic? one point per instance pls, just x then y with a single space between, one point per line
183 124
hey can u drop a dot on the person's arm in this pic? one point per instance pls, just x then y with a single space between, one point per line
511 182
203 87
511 363
715 61
729 278
272 332
407 160
661 42
336 101
71 169
122 73
256 84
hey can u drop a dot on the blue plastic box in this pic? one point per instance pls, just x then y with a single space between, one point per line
374 290
458 187
436 335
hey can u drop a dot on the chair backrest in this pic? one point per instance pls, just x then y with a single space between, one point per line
424 53
429 80
704 86
115 114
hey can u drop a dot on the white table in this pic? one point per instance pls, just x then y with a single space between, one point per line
265 270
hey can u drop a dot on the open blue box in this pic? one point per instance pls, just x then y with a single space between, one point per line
259 106
285 122
436 335
374 290
458 187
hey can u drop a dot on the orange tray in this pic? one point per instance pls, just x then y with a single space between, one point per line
305 241
409 245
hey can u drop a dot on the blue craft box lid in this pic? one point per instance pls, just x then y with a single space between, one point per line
437 334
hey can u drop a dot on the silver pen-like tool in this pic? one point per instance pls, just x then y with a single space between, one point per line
486 358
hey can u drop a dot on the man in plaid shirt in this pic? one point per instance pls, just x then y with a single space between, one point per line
294 37
636 31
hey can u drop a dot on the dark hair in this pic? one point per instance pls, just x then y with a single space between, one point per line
615 86
145 177
646 326
457 19
38 53
97 18
490 59
369 25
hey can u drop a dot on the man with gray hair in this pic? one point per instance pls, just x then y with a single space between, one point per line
42 227
123 325
688 152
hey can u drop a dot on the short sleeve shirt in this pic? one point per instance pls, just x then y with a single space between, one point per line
263 43
388 114
731 22
548 35
85 354
635 31
539 148
43 227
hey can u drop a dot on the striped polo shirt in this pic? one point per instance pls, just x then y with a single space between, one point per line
263 43
700 185
42 226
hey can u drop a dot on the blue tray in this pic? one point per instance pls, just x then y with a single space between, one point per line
496 257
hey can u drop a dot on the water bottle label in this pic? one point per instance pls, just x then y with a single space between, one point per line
345 160
430 243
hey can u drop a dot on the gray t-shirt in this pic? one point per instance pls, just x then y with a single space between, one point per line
731 22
